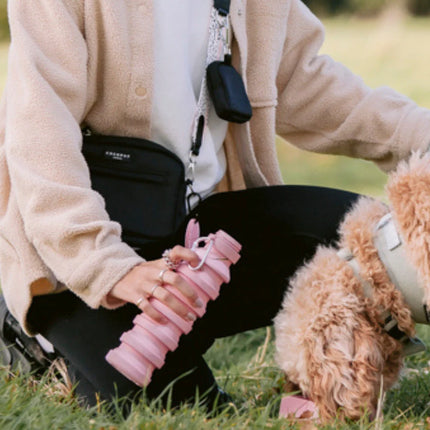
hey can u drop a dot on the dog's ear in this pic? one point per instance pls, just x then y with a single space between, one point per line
326 343
345 364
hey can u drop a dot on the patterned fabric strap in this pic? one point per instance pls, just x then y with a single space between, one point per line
218 48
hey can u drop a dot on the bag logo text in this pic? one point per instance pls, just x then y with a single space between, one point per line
117 156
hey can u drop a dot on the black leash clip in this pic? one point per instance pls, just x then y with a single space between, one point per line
193 197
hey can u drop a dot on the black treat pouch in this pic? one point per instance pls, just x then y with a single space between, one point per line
228 92
143 185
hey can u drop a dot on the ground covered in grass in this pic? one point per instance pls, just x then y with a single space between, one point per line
243 365
389 51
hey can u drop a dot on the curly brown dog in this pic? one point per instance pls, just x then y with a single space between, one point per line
348 318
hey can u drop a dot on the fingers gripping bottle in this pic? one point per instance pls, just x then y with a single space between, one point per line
144 347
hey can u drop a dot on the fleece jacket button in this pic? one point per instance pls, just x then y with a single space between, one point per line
141 91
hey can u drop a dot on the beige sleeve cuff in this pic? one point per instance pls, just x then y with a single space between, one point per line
101 271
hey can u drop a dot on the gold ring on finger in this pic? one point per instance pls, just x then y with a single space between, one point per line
161 276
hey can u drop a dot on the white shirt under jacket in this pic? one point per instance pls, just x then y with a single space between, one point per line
181 31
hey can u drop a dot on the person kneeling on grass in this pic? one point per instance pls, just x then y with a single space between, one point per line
138 70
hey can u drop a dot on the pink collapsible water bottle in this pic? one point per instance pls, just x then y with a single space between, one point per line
144 347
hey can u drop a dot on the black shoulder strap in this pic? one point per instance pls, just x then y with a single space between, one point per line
222 6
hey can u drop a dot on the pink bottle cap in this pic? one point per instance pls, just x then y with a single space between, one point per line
183 325
298 406
140 340
133 366
234 244
168 333
224 247
192 232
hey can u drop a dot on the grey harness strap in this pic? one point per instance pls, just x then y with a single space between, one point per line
401 273
393 255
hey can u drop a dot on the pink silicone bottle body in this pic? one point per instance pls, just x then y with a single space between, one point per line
144 347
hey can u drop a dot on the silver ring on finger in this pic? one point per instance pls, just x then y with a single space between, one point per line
151 294
172 265
161 276
139 301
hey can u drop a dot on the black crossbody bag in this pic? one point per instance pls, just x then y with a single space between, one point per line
144 185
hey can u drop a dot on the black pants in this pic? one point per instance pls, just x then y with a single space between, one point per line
279 227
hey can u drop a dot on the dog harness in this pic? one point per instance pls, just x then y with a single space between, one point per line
391 251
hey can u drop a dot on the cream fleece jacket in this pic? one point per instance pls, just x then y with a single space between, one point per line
76 62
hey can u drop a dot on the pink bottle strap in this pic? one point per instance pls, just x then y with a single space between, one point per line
192 233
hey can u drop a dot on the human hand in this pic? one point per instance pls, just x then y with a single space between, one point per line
147 279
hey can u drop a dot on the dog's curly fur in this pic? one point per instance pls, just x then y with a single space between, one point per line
330 340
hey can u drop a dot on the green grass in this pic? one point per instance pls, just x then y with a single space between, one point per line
384 52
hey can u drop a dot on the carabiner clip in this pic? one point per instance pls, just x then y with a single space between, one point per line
192 196
205 257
